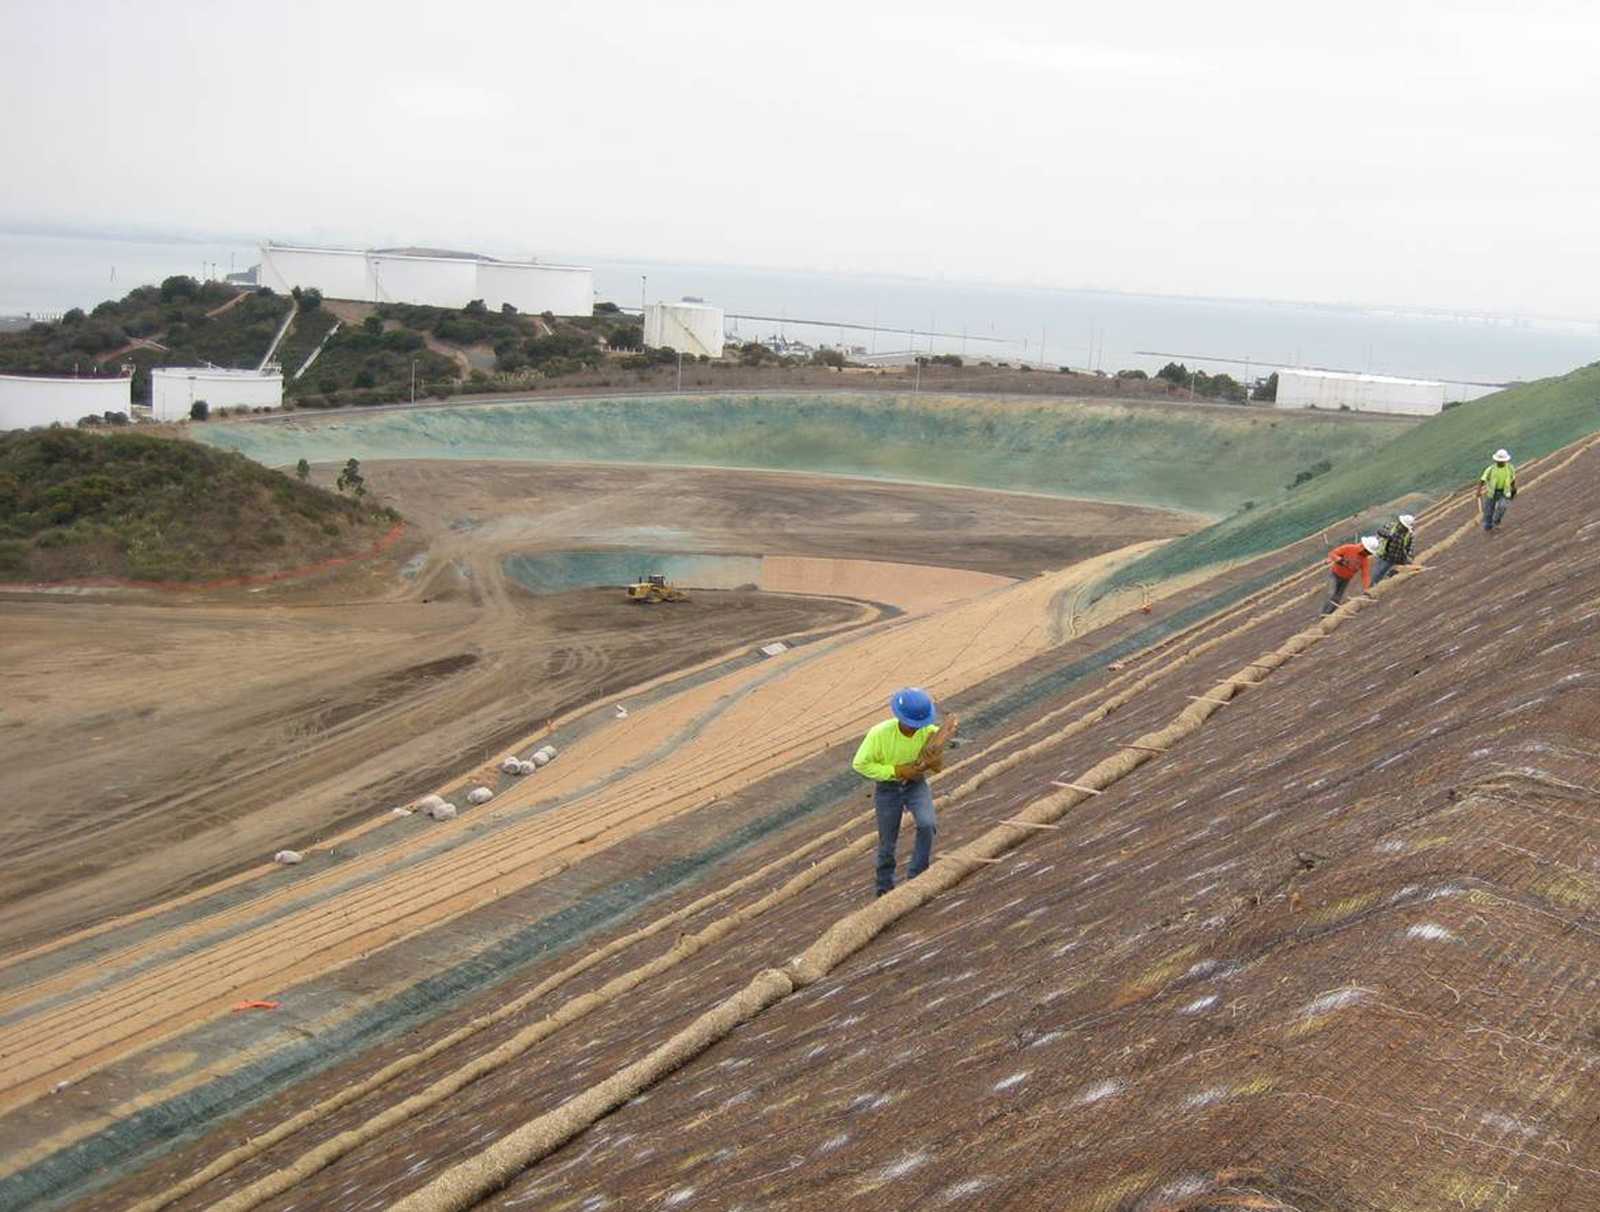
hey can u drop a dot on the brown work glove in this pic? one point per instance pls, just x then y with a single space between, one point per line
932 759
908 772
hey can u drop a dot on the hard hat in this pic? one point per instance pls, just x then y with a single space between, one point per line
913 707
1407 521
1502 455
1372 543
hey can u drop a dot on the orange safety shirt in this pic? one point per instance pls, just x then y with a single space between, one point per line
1350 558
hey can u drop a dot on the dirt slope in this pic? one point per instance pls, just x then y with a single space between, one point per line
1337 951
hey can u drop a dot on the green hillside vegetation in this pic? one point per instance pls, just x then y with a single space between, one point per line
304 335
173 315
371 363
80 504
1207 460
1442 453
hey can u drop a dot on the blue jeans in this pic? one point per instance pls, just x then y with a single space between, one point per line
1494 509
1336 594
891 800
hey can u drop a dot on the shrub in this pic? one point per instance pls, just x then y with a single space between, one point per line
199 411
1320 467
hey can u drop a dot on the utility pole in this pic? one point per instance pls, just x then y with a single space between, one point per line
413 380
680 372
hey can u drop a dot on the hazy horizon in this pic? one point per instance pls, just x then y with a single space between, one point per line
1424 156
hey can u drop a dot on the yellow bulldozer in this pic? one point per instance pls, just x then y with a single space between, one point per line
655 588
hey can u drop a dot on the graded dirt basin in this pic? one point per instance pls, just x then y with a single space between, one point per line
169 738
1234 906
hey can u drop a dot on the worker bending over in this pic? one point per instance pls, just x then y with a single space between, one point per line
1496 488
1396 540
898 755
1345 561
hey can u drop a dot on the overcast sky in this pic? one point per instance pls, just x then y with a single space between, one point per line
1415 153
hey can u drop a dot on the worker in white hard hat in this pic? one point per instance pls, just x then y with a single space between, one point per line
1497 486
1397 538
1344 561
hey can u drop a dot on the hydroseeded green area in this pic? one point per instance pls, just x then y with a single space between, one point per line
1442 453
1204 460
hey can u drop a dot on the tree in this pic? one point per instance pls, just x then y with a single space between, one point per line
626 336
303 469
199 411
179 286
828 357
311 299
476 308
1175 373
1228 388
506 309
1132 374
352 479
73 316
372 326
1267 389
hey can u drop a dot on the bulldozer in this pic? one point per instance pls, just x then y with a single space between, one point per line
655 588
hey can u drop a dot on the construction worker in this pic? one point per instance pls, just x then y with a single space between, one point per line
1497 486
892 754
1396 550
1345 561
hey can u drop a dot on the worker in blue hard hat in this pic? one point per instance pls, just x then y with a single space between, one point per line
898 754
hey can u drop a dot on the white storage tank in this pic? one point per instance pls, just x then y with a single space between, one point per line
1333 390
27 401
428 277
175 389
689 328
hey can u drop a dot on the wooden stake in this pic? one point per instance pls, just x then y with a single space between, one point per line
1076 787
1145 748
1026 824
961 858
1201 698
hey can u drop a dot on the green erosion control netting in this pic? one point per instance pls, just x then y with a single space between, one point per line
1442 453
1206 460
